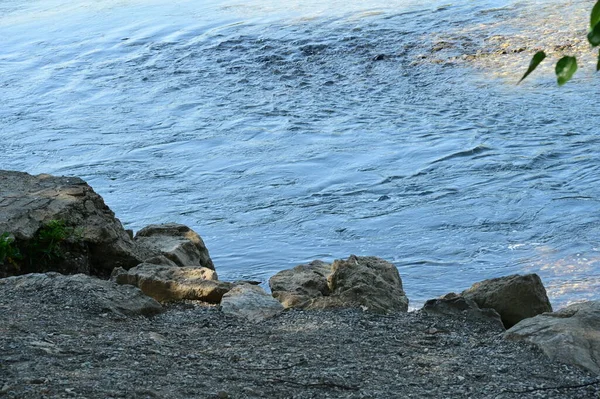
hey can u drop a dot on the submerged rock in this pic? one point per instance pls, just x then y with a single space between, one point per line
514 297
570 335
174 283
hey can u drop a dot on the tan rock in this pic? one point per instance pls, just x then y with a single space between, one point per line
367 282
174 283
177 242
298 285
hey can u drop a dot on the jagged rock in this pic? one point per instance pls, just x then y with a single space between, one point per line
295 286
514 297
82 292
177 242
367 282
173 283
95 244
455 305
250 302
570 335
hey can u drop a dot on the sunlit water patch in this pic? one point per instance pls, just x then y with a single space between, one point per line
286 134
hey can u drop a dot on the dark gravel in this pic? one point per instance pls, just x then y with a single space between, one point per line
194 351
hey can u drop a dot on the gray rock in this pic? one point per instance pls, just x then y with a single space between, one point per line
174 283
295 286
369 283
570 335
97 242
82 292
250 302
177 242
514 297
453 305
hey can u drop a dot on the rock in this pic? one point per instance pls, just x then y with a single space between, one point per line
174 283
570 335
250 302
455 305
82 292
359 282
177 242
365 281
91 240
514 297
295 286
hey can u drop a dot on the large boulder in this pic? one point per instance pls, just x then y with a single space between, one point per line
294 287
250 302
176 242
174 283
79 292
452 305
363 282
515 297
368 282
570 335
60 224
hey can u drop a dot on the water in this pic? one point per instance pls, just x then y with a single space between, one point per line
274 132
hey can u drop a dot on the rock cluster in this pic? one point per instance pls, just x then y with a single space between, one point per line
364 282
170 263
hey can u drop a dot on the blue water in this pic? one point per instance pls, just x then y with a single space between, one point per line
278 134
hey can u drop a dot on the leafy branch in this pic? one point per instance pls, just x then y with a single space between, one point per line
567 66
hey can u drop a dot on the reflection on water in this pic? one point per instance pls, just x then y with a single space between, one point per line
285 134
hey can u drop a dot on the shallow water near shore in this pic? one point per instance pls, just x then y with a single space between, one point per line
310 131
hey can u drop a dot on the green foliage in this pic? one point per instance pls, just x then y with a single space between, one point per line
595 15
594 36
9 253
47 245
567 66
535 61
43 252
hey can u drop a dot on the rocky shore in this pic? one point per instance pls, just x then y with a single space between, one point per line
89 310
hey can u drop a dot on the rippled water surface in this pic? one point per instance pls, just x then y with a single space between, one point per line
286 133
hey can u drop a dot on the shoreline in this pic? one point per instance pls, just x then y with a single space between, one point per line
194 351
344 332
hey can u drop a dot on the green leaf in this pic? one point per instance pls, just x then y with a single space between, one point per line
595 16
565 68
594 35
535 61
